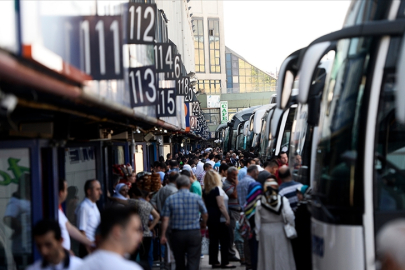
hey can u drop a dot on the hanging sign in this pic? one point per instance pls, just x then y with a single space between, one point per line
141 23
193 122
224 111
102 46
167 102
183 86
142 85
164 59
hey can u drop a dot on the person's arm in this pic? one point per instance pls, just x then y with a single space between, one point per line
222 208
77 235
204 220
289 214
121 201
155 221
257 220
165 223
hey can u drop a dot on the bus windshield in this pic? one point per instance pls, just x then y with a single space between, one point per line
298 135
338 184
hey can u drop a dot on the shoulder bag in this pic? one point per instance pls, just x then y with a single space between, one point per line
289 229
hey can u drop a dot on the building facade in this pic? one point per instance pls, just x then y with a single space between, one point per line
209 46
243 77
221 73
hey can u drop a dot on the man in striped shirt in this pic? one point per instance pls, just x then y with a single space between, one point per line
288 187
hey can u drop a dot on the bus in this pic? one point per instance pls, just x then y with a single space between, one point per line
358 175
231 132
256 121
276 125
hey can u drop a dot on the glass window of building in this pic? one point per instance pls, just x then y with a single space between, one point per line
242 77
209 87
212 116
199 45
15 209
214 43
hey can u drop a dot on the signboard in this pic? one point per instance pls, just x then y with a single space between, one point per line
167 102
193 122
183 86
141 23
142 86
92 44
102 46
195 108
224 111
164 59
213 101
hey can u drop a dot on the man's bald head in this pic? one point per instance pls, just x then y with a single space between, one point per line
284 173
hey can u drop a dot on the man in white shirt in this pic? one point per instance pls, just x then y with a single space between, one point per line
121 233
48 238
67 229
199 170
210 160
87 213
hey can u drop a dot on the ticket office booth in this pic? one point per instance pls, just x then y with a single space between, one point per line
29 173
28 193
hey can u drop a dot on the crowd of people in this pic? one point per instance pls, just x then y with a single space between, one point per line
252 213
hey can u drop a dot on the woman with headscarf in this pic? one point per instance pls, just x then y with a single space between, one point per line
121 191
275 251
253 197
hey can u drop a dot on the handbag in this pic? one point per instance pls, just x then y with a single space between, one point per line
289 229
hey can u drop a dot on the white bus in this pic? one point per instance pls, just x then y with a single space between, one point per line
358 175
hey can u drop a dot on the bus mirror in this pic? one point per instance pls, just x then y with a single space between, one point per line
285 79
308 66
400 86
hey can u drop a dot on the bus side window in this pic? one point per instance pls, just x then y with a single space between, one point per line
390 148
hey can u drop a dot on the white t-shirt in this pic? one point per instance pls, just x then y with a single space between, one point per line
211 162
259 168
65 234
88 218
226 199
74 263
107 260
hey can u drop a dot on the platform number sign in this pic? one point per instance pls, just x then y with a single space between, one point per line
167 102
141 23
183 87
193 122
142 85
164 59
176 73
101 46
195 108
